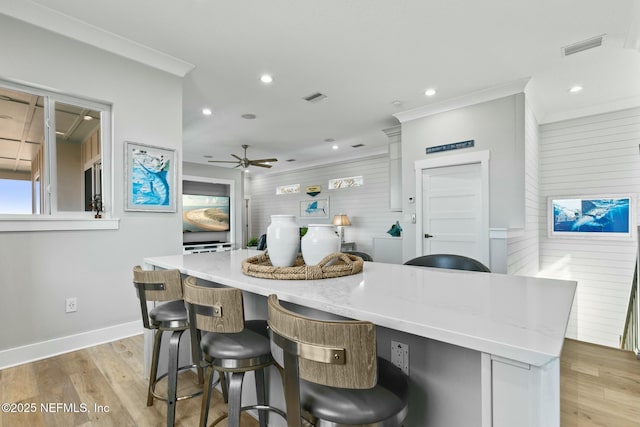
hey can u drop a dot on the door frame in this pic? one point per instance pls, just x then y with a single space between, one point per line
481 157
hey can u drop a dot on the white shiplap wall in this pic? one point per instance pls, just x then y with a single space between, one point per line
367 206
523 251
595 155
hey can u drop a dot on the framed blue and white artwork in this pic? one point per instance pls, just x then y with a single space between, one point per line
609 216
314 208
150 178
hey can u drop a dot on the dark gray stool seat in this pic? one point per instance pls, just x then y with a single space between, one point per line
449 261
172 314
355 407
246 344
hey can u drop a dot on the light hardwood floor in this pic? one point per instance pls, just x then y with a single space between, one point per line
600 386
109 375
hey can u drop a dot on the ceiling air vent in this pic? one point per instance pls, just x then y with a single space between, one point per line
315 97
357 145
583 45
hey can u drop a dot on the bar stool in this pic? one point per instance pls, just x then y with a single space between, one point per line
230 346
332 375
171 316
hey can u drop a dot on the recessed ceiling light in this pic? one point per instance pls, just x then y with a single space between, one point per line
430 92
329 140
575 89
249 116
88 117
208 156
266 78
59 132
397 103
207 111
335 147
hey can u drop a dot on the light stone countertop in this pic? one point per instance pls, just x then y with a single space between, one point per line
515 317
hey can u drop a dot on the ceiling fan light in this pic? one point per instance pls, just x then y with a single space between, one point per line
207 111
266 78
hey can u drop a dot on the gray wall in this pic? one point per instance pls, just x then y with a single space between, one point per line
497 126
38 270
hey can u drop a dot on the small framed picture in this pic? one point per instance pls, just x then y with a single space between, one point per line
608 216
314 208
150 178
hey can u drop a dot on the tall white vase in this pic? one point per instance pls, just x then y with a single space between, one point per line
320 241
283 240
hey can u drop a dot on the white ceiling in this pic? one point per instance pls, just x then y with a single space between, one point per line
362 54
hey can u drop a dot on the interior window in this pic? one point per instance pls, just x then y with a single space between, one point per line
70 166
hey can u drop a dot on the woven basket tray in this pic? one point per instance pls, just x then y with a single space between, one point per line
333 265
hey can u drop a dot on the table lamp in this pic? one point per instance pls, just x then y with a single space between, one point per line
341 220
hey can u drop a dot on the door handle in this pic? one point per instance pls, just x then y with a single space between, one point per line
426 236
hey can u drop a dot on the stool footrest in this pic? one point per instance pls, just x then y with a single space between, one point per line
252 407
178 398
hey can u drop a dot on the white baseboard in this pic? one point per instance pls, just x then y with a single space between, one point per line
42 350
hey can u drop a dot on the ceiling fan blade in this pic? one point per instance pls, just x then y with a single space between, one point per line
263 160
222 161
236 157
262 165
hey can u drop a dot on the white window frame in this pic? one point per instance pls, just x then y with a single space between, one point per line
52 219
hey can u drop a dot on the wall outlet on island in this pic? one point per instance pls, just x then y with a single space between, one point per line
71 305
400 356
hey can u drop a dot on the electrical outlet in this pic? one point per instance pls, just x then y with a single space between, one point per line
71 305
400 356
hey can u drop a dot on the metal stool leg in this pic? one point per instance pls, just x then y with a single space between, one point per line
206 396
261 396
172 386
235 398
224 386
153 373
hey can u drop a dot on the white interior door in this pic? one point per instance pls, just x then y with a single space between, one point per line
452 211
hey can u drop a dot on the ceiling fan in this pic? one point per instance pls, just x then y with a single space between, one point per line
245 163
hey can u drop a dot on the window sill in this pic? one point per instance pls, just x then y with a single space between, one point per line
11 223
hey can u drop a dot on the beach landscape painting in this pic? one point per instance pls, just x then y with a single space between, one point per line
205 213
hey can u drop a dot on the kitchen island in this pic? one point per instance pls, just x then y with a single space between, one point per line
483 348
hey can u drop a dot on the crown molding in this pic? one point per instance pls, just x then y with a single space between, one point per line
484 95
49 19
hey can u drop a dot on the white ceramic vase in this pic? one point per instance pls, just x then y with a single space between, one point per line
320 241
283 240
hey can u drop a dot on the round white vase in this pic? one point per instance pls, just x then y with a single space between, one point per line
320 241
283 240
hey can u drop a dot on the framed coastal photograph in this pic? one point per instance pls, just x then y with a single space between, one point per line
150 178
314 208
608 216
